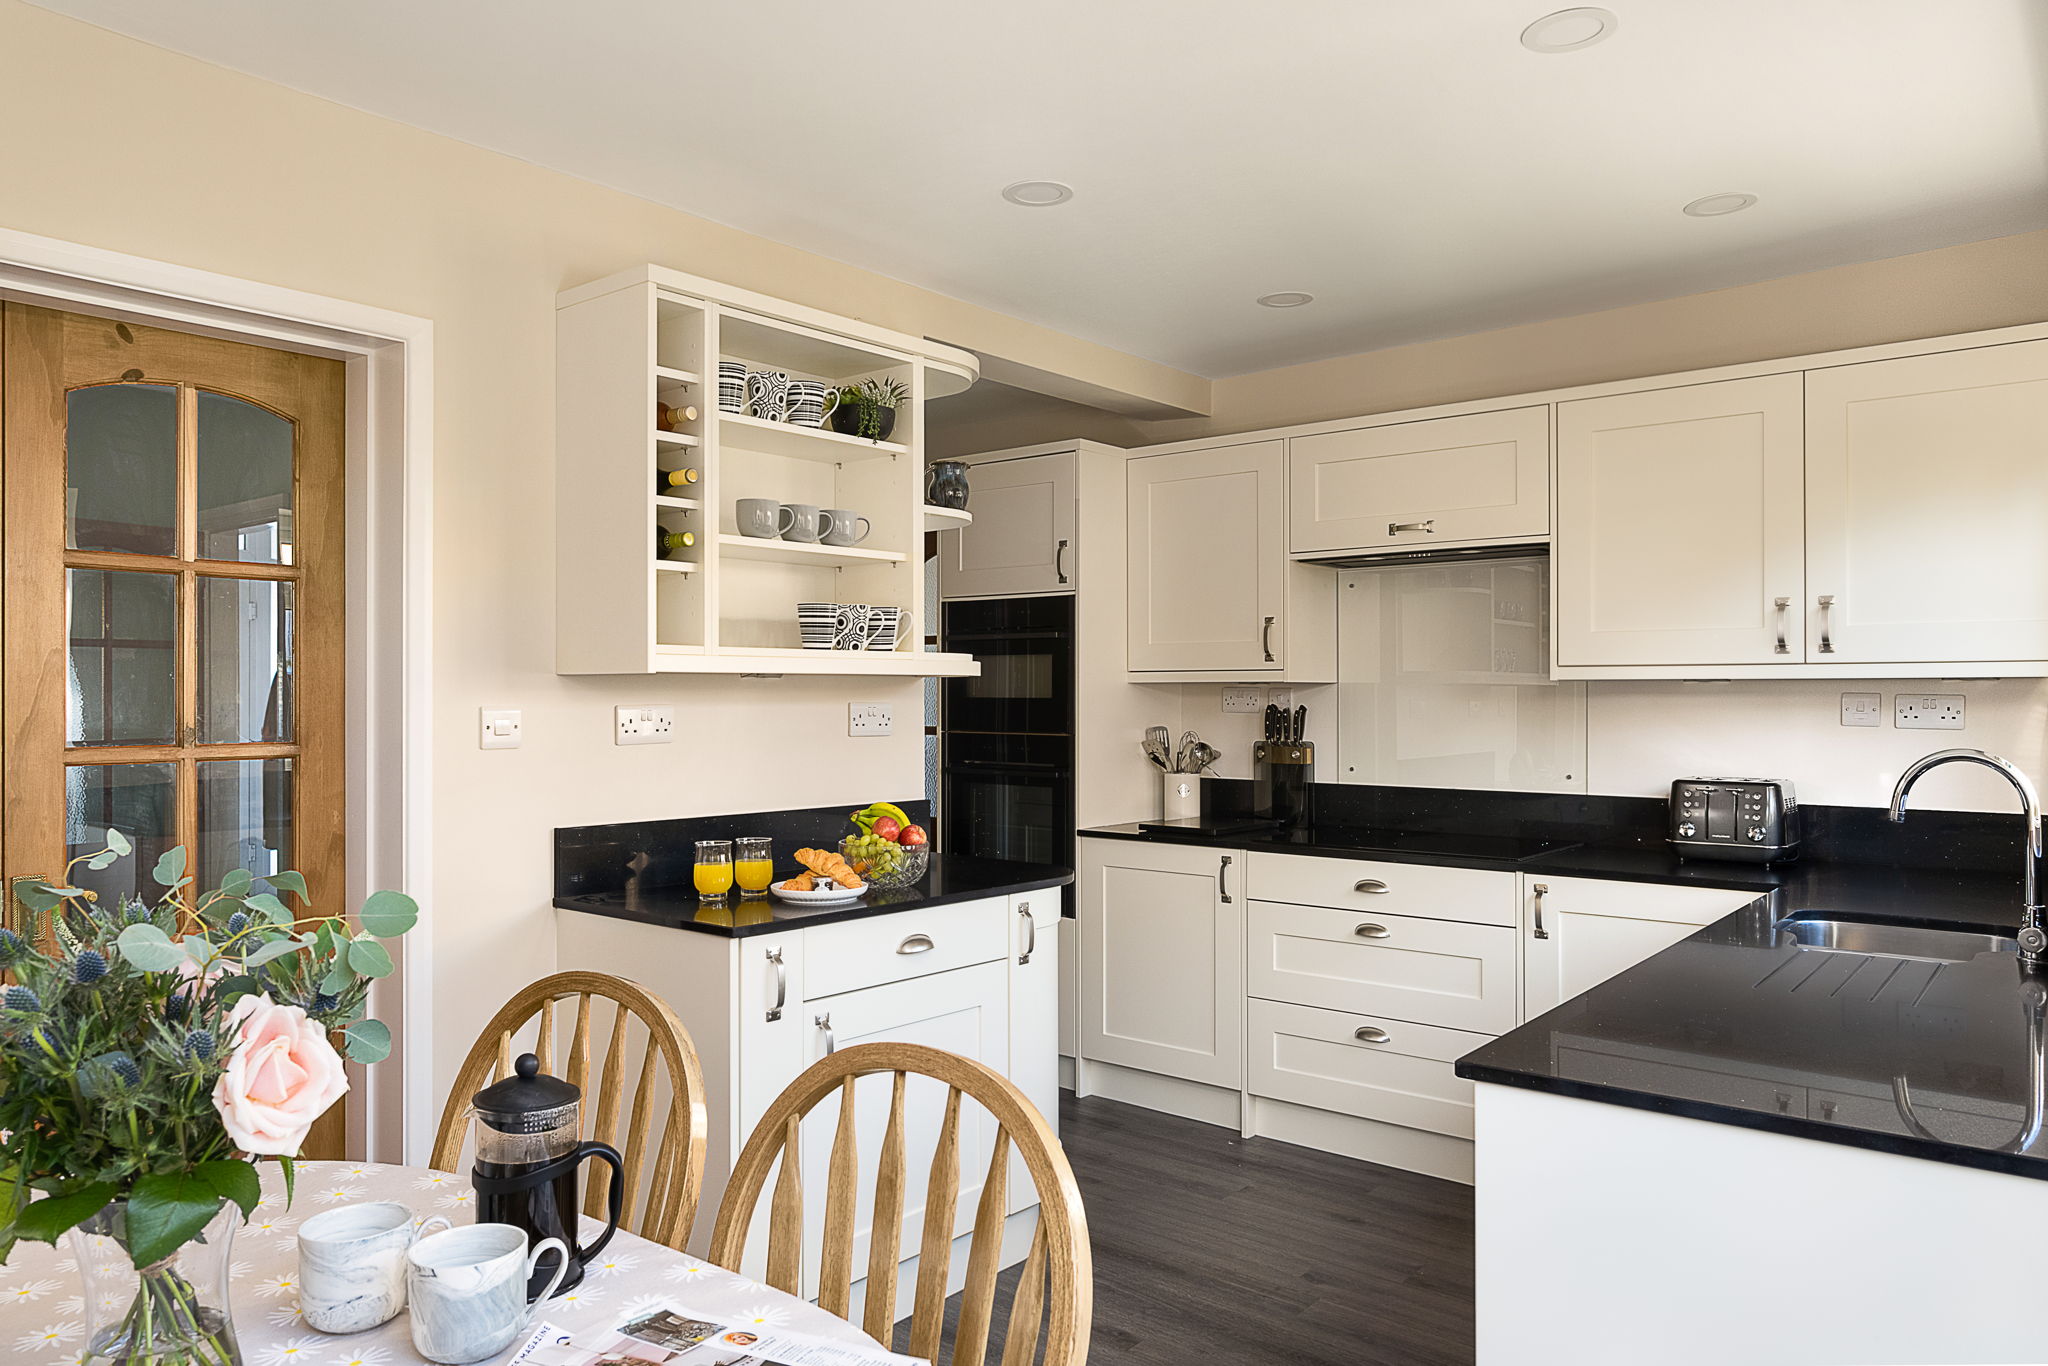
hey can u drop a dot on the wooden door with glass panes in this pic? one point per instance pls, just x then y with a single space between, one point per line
173 606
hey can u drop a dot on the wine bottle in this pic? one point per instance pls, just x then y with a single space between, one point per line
671 419
675 481
667 543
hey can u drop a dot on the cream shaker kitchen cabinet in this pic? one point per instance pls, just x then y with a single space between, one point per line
1680 535
1162 959
1441 482
1034 971
1578 932
1926 499
1022 540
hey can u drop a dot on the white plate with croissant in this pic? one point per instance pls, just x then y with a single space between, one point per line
827 879
826 892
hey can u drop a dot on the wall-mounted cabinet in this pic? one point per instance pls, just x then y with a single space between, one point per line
653 572
1023 539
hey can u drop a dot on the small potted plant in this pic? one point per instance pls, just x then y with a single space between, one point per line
869 408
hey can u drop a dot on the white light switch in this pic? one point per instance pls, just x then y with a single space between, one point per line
497 728
1862 708
869 718
643 725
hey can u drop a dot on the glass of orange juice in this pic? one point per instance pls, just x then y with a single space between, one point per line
714 869
753 865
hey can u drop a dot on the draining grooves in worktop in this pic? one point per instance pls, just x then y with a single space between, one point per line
728 603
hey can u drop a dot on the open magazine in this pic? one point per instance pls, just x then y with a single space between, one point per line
674 1336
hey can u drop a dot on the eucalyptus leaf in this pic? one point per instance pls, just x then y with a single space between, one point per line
269 907
36 894
170 868
118 842
367 957
236 882
166 1210
389 914
103 859
289 881
275 949
150 949
368 1041
338 976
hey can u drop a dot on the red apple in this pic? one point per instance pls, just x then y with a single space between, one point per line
913 837
888 829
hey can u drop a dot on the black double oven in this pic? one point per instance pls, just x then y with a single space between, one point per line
1006 738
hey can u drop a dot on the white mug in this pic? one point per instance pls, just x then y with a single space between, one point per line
468 1290
352 1265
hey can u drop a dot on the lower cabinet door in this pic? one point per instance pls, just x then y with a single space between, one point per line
1034 969
1371 1067
965 1011
1578 932
1434 972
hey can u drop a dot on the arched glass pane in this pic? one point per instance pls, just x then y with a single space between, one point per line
245 482
139 800
123 658
245 660
121 468
245 818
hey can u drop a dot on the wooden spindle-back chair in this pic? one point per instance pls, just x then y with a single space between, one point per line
664 1180
1057 1284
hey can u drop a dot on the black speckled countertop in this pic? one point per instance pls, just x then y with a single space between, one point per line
951 878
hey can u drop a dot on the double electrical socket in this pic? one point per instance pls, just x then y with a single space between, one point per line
1910 710
869 718
643 725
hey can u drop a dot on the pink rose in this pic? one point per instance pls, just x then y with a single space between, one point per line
282 1074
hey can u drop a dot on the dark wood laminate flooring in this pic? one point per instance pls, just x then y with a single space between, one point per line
1210 1248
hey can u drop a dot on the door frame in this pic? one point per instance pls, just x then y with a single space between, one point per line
389 503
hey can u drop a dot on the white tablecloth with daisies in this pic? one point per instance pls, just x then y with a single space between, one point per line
43 1312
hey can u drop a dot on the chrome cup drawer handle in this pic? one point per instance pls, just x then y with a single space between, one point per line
916 943
1371 1034
1371 931
1372 886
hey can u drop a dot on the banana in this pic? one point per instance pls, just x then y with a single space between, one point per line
893 811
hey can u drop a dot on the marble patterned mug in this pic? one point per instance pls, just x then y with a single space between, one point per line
467 1290
352 1264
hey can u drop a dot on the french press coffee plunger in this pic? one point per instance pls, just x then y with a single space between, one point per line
527 1158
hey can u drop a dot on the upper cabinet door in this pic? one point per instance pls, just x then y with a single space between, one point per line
1679 531
1448 480
1926 496
1022 540
1207 559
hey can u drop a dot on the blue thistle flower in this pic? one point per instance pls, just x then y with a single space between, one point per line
134 913
88 967
238 922
177 1008
199 1044
323 1002
20 998
10 946
109 1072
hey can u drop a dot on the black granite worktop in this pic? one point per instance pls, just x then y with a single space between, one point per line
951 878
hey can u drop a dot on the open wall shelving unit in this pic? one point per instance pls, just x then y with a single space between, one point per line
728 604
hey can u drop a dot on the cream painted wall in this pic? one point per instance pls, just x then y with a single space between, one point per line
119 145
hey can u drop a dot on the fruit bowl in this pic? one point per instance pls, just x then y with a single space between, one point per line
888 864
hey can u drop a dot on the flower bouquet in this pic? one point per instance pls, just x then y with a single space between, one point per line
149 1055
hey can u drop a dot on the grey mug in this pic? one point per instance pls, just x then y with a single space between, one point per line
839 526
804 523
762 518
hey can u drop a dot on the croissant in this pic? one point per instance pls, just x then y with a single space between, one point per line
803 882
825 863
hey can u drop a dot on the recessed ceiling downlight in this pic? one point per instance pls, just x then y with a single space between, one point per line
1038 194
1286 298
1714 205
1568 30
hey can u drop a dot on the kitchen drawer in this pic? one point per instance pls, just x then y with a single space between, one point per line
1472 894
853 954
1433 972
1400 1073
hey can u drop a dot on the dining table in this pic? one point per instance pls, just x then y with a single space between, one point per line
43 1314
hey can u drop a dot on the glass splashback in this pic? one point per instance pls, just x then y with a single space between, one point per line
1443 680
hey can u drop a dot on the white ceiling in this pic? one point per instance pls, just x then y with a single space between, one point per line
1406 161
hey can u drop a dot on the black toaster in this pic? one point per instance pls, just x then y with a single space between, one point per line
1753 820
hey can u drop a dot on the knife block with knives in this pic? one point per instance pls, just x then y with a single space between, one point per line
1284 770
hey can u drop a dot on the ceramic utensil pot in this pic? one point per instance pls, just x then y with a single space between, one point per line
762 518
809 401
466 1290
805 524
528 1156
843 527
352 1265
768 395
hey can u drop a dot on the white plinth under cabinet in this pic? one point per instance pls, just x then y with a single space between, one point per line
726 603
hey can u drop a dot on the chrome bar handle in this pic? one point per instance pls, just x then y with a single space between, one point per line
1371 886
1222 882
824 1022
1428 528
1371 1034
1784 613
916 943
1538 891
1031 934
1371 931
1266 638
1827 605
1059 561
781 984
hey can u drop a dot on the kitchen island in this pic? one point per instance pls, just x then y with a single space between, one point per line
1790 1137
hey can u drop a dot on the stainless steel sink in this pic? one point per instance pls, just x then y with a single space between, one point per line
1888 939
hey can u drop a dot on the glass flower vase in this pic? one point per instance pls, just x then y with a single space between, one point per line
172 1313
